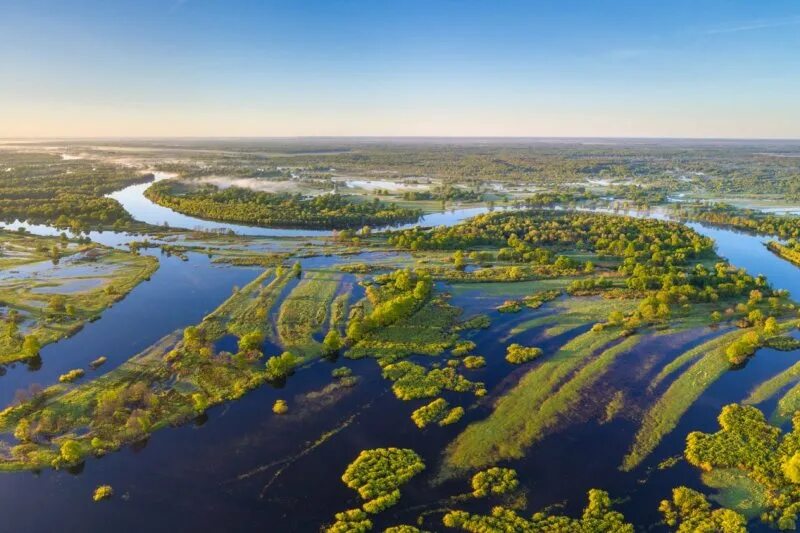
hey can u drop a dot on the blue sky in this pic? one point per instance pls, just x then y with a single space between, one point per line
435 67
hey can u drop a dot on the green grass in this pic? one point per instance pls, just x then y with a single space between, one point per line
249 310
692 355
613 407
167 384
769 388
666 412
521 415
788 405
573 312
736 491
339 308
119 273
304 312
520 288
429 331
17 249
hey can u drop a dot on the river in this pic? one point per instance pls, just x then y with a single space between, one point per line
142 209
212 475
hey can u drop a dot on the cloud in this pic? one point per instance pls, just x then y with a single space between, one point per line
755 25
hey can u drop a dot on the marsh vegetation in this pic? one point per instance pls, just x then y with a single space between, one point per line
488 354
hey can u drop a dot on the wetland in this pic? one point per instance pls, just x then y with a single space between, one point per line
469 357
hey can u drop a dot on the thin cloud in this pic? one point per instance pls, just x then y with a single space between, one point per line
755 25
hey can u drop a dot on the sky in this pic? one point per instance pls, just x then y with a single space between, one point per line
214 68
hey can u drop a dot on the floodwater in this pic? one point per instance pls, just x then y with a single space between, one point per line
241 468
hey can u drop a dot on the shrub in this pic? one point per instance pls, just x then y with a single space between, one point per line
474 361
495 480
71 451
402 529
100 361
251 342
690 511
743 347
452 417
102 492
351 521
510 306
412 381
518 354
341 372
280 407
31 345
332 342
281 366
430 413
463 348
378 474
791 468
71 376
200 402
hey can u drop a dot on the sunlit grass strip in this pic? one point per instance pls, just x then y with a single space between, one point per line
514 424
247 309
568 396
250 312
787 405
667 411
692 355
769 388
339 308
574 312
304 311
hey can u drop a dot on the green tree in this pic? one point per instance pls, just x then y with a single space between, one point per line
332 342
192 336
459 263
791 468
57 304
280 366
70 451
251 342
31 345
771 326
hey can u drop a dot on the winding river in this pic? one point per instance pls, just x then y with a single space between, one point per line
142 209
181 481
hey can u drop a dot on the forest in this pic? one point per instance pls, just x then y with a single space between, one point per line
279 210
43 188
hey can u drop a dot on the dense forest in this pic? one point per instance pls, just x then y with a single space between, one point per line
43 188
749 220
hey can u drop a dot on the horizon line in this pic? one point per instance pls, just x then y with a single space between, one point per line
354 137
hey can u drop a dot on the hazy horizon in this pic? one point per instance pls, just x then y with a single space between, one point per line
498 138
